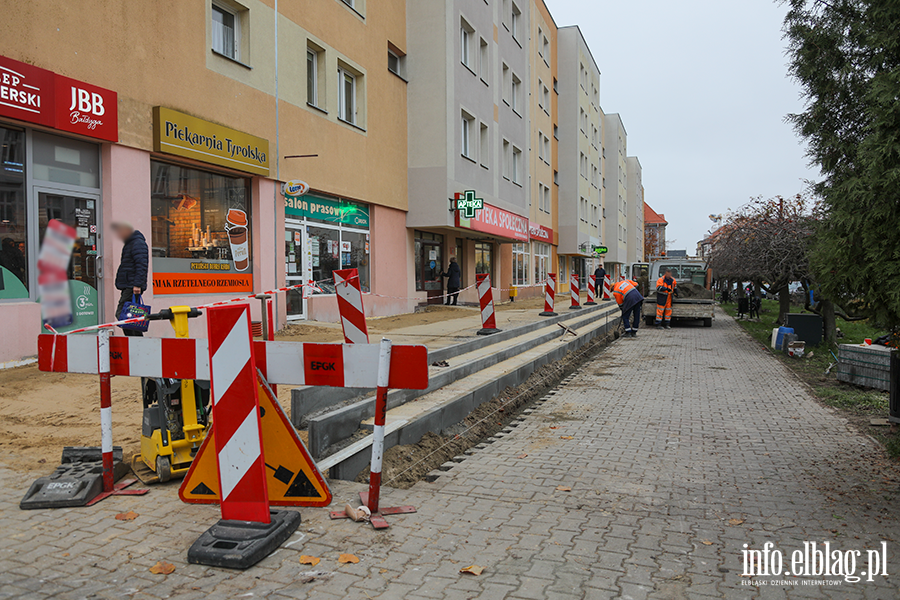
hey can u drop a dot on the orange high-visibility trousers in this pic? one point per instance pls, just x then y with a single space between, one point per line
664 311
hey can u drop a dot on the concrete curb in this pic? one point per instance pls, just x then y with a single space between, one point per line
308 399
450 413
332 427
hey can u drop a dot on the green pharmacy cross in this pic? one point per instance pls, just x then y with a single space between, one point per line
600 250
467 204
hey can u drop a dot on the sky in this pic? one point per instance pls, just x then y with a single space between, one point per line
703 91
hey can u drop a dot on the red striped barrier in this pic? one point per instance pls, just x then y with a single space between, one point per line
486 301
607 288
350 306
591 291
575 292
549 296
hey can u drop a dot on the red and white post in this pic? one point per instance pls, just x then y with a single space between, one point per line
110 488
575 292
607 288
350 306
591 291
384 370
239 453
486 301
549 296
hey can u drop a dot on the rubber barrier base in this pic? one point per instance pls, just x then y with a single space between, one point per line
548 314
75 482
487 331
242 544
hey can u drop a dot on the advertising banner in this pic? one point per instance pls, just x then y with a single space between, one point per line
496 221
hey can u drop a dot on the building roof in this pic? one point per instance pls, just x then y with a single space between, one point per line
651 217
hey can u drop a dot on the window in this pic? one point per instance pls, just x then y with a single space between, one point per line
465 44
581 120
347 96
543 198
541 49
541 261
312 83
514 22
556 177
555 85
520 264
396 63
556 131
514 92
484 154
541 145
563 273
507 83
546 51
546 100
517 166
595 180
199 218
507 159
546 150
428 248
484 61
540 97
13 216
484 260
467 135
226 32
583 162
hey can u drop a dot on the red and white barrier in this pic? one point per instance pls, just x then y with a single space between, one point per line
384 367
591 291
235 408
549 296
289 363
607 287
486 301
350 306
575 292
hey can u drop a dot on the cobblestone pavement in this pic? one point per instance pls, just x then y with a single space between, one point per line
679 447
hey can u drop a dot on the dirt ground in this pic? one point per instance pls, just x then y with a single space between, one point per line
40 413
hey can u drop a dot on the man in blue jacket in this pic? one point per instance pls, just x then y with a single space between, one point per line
131 276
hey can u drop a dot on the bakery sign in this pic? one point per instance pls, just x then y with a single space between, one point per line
39 96
540 233
496 221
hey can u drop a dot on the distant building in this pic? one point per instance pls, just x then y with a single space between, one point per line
654 232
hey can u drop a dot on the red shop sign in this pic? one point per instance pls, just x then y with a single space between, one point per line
40 96
496 221
540 233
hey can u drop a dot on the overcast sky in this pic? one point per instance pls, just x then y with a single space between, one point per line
702 89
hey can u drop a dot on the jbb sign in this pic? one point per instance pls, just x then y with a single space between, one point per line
39 96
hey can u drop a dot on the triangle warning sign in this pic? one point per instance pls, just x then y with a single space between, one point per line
291 474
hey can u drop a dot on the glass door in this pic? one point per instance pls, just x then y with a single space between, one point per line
80 211
295 258
431 266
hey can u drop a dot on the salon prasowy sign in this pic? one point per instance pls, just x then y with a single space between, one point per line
40 96
496 221
326 210
183 135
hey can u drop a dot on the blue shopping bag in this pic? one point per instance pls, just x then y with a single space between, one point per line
133 309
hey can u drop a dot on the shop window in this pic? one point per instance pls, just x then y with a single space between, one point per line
484 259
428 261
201 223
541 261
13 216
520 264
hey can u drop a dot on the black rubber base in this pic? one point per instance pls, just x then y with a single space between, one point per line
242 544
75 482
488 331
590 304
548 314
574 308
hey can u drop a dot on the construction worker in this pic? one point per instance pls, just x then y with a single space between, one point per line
665 290
630 301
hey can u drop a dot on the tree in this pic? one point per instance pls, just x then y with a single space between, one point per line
766 242
845 54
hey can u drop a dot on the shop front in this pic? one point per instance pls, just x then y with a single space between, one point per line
52 129
323 234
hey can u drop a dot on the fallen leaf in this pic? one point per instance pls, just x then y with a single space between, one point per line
162 568
567 437
472 570
348 558
706 542
562 488
65 553
735 522
554 427
309 560
129 516
522 455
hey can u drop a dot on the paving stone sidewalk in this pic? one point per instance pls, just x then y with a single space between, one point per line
679 447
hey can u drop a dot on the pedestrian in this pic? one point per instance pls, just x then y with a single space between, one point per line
665 290
131 276
454 280
599 280
630 300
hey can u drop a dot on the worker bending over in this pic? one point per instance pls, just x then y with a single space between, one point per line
630 301
665 290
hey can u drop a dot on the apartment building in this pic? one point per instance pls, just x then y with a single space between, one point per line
635 215
469 117
184 118
581 170
615 162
